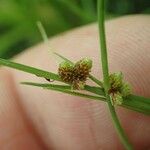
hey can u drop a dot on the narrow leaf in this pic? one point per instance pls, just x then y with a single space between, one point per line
28 69
45 85
95 90
141 99
137 103
131 102
65 89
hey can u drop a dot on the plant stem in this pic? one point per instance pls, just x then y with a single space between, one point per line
104 61
98 82
122 135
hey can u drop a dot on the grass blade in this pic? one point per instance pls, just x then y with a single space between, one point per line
45 85
132 102
137 103
28 69
141 99
64 89
95 90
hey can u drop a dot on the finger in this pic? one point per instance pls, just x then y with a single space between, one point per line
67 122
16 132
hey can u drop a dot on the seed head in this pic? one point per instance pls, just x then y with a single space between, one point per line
77 74
116 80
117 98
126 89
118 88
78 85
82 69
65 71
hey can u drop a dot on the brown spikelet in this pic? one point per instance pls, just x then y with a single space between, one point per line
65 71
76 75
82 69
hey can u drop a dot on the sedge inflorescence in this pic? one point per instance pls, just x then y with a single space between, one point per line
118 88
75 74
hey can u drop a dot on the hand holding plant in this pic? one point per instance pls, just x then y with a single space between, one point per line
113 89
57 117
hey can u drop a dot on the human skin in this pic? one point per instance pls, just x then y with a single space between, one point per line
35 119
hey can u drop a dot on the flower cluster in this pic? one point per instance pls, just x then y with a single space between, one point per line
75 74
118 88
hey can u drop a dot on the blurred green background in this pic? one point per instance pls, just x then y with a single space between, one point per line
18 29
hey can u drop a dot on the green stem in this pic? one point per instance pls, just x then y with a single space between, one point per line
104 61
121 133
98 82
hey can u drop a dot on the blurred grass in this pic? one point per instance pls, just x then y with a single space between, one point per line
18 29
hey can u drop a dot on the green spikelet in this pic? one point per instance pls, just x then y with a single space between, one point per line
85 61
116 80
117 98
118 88
126 89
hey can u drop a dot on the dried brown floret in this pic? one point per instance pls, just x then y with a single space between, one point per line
77 74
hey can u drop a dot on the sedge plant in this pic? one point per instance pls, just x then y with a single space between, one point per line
72 77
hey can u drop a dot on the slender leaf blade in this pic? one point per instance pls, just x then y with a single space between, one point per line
64 89
131 102
45 85
28 69
137 103
95 90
